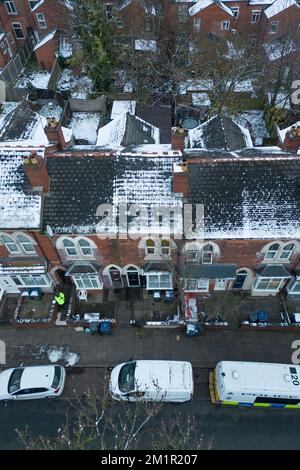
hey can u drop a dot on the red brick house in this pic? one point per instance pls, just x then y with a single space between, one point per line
20 19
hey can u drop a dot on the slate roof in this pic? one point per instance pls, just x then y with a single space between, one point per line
19 206
127 130
219 132
82 267
80 185
274 270
208 271
248 199
24 124
160 116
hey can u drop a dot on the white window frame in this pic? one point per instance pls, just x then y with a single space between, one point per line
288 252
33 3
20 27
276 24
291 286
80 280
206 252
47 281
150 250
11 7
225 25
160 285
119 22
88 247
26 242
255 16
40 17
197 25
8 243
223 283
236 12
165 249
202 285
66 248
272 251
192 255
269 280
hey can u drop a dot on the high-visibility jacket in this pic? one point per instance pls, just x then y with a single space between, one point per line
60 299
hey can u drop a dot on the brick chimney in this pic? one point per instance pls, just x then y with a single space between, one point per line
55 134
177 138
292 139
36 171
181 178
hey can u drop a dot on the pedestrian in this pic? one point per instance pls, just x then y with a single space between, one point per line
60 298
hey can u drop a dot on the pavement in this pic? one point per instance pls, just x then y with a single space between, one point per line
30 346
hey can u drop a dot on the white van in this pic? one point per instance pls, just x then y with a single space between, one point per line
169 381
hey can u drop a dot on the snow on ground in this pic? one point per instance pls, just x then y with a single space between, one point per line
61 353
79 85
6 108
51 110
37 79
253 120
85 126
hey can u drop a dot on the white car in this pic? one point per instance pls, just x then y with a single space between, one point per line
27 383
168 381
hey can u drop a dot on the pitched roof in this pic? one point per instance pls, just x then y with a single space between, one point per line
80 185
248 199
19 207
127 130
202 4
278 6
220 132
208 271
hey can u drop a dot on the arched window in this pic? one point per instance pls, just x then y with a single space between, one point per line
165 247
287 251
207 254
150 247
272 251
85 247
10 244
25 244
69 247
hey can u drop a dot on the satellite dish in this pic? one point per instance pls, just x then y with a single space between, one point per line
49 231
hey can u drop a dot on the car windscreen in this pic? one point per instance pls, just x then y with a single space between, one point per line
126 377
57 375
14 382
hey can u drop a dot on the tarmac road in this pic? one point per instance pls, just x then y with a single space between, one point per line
227 427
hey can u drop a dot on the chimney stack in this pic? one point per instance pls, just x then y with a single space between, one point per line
54 133
181 178
292 139
177 138
36 172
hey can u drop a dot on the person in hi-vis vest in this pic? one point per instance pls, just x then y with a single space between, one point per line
60 298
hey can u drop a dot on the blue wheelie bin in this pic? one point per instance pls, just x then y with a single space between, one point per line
104 327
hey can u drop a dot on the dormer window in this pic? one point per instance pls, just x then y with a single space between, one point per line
10 244
85 247
150 247
287 251
207 254
165 247
70 248
272 251
25 244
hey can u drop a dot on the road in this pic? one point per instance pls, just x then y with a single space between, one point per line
228 428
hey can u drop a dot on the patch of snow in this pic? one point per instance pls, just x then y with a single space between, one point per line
85 126
253 120
121 107
202 4
36 79
79 85
200 99
56 354
279 6
6 108
148 45
51 110
282 132
282 100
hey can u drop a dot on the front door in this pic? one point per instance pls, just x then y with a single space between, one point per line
220 284
239 280
133 279
115 277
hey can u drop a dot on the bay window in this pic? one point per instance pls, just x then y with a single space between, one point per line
87 281
159 281
268 284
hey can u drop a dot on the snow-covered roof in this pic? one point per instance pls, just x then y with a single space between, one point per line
40 3
200 99
148 45
46 39
126 130
121 107
202 4
220 132
279 48
195 85
19 206
278 6
282 100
